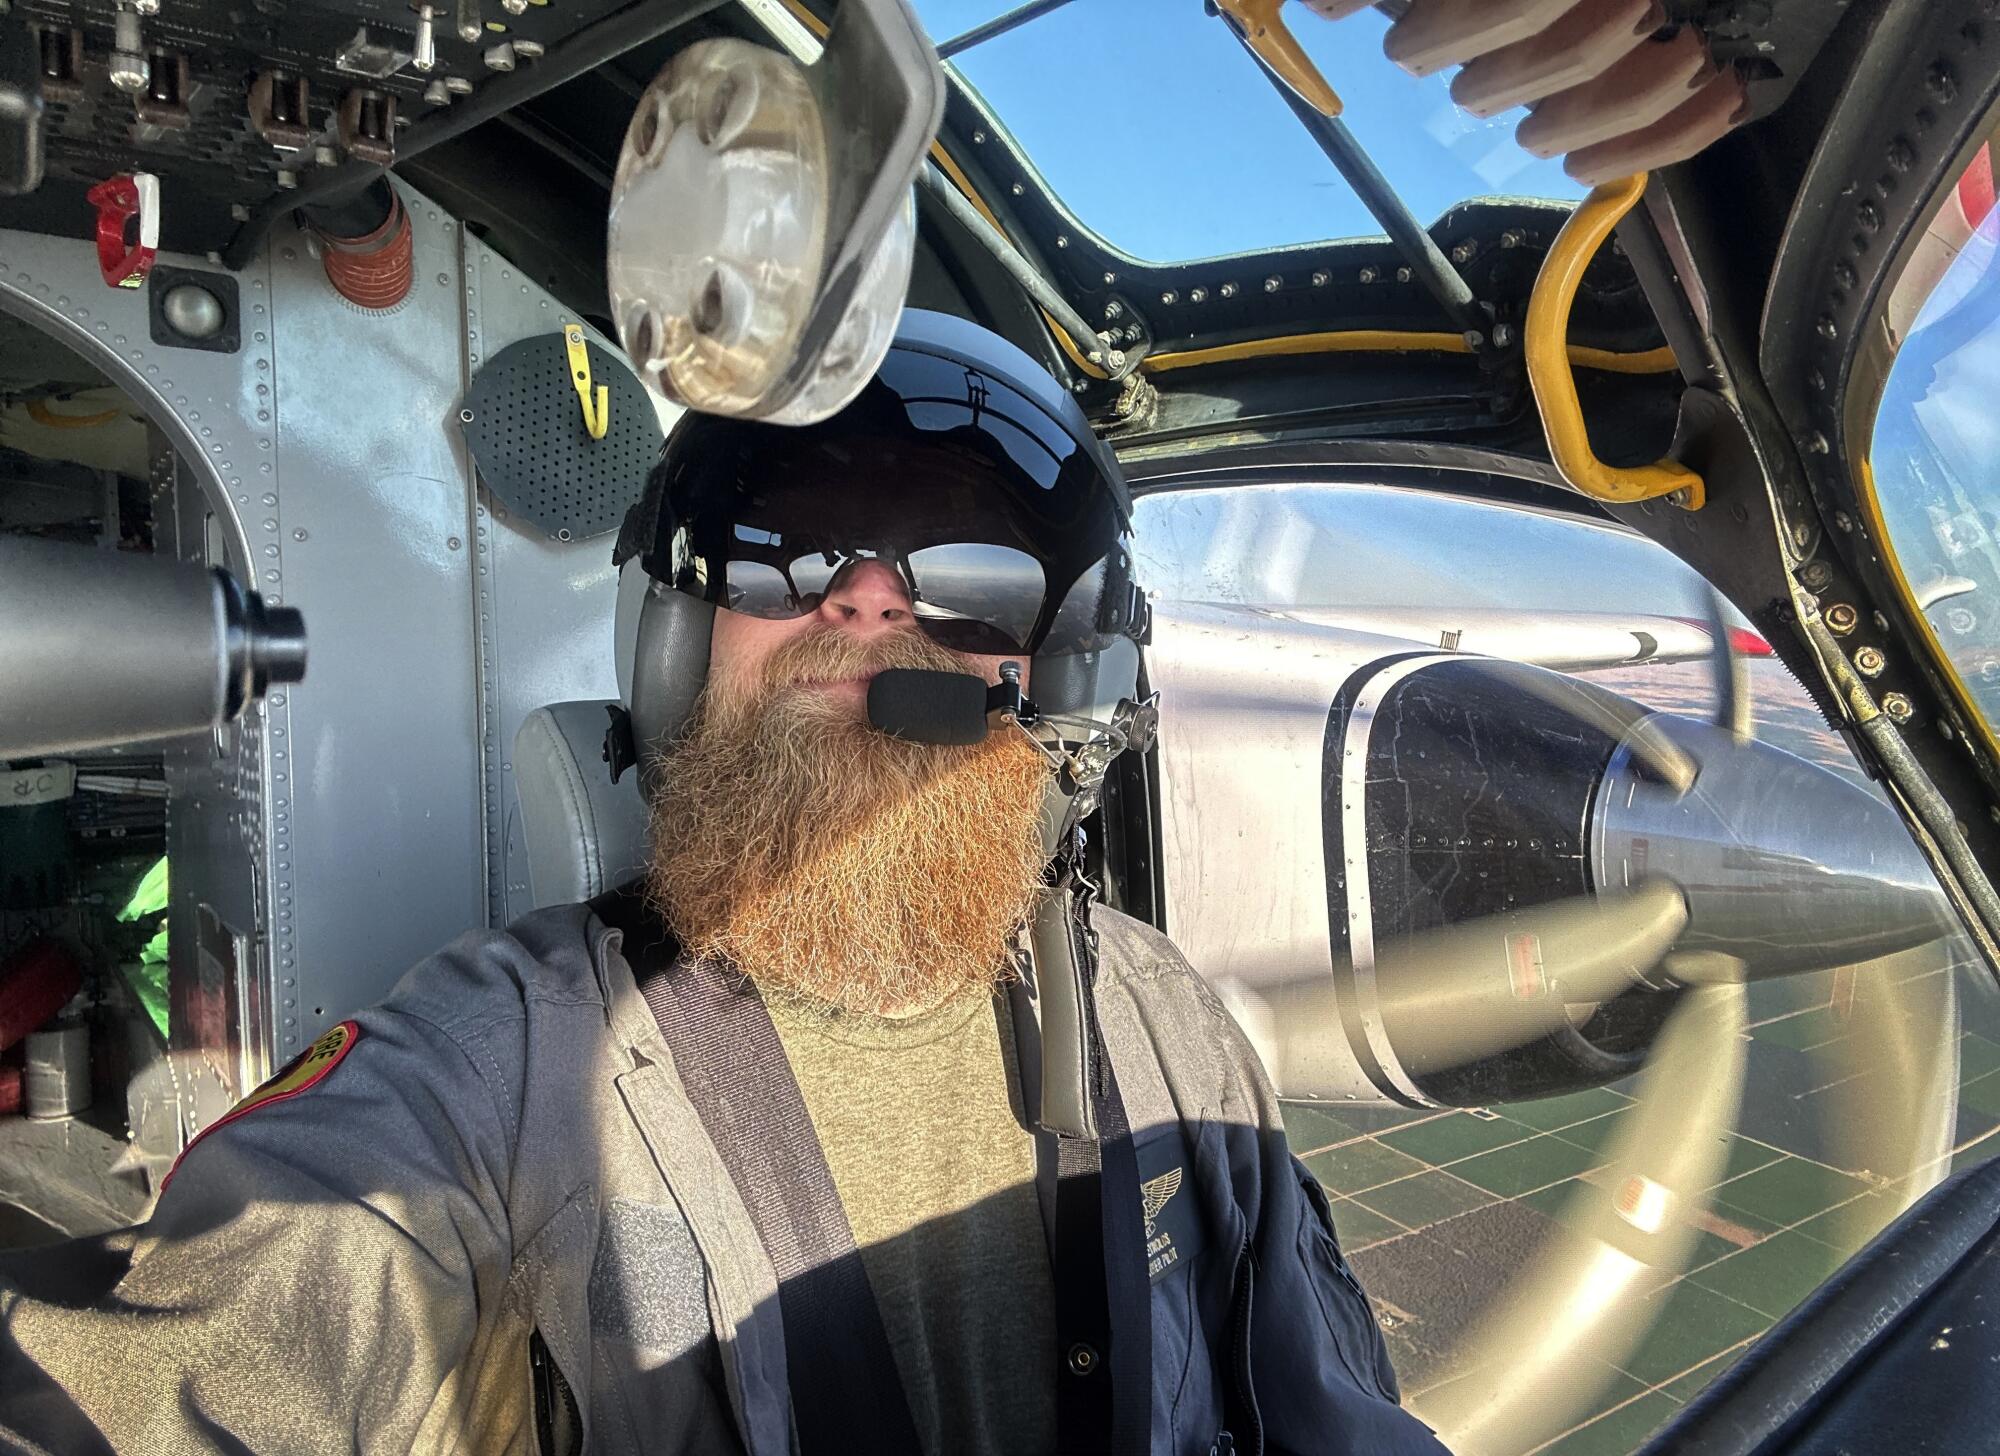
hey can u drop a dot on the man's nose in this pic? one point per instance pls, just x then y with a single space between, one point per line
868 598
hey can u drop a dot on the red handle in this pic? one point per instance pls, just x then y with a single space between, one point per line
118 201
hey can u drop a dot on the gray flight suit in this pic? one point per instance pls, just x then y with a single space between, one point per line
505 1152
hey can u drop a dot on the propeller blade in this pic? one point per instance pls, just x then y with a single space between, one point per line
1731 673
1637 728
1583 1303
1891 1115
1457 995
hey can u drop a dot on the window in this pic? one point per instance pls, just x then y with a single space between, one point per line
1224 167
1279 610
1933 471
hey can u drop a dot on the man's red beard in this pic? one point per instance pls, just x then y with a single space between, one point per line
825 859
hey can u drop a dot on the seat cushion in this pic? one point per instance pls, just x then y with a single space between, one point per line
584 834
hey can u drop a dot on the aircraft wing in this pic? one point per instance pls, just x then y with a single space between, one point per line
1563 641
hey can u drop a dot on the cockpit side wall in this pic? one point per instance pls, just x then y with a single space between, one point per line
352 823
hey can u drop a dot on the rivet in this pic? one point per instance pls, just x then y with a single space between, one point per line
979 138
1368 275
1827 328
1228 290
1817 443
1273 284
299 534
1062 240
1081 1359
1321 278
1017 189
1109 279
1464 252
1404 275
1197 295
1170 297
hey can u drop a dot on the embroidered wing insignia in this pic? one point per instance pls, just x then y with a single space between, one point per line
1156 1192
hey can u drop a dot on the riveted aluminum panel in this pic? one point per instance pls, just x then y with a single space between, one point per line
381 860
546 607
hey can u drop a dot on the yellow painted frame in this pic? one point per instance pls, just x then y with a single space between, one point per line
1546 341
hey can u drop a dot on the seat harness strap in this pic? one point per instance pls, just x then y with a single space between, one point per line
846 1393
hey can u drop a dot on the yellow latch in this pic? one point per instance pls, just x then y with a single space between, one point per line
597 412
1279 49
1547 345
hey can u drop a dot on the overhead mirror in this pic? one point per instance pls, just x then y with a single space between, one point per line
762 220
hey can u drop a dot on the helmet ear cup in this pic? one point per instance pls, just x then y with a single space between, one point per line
669 667
1086 683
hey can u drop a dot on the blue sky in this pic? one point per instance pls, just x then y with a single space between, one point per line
1155 128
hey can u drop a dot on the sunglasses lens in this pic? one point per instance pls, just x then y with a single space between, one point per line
976 596
758 589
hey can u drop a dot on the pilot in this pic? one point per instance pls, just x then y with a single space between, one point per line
851 1125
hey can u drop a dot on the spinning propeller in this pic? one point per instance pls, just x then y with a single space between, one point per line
1716 861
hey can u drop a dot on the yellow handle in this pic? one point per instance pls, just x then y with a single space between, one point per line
596 413
1547 345
1279 49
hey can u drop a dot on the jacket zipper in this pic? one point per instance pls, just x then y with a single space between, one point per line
1246 1267
558 1424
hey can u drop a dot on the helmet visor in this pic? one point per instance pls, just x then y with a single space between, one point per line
1002 526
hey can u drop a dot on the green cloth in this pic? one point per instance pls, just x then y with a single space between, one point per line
148 976
918 1120
149 897
148 979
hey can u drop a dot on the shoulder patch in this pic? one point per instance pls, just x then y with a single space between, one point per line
304 1072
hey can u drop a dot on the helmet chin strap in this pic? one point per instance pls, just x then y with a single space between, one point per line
1059 944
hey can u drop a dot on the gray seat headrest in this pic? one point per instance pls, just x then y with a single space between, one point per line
585 835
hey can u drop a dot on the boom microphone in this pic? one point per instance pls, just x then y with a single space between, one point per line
928 707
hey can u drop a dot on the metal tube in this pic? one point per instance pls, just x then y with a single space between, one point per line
1411 238
106 647
588 49
1024 273
998 25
